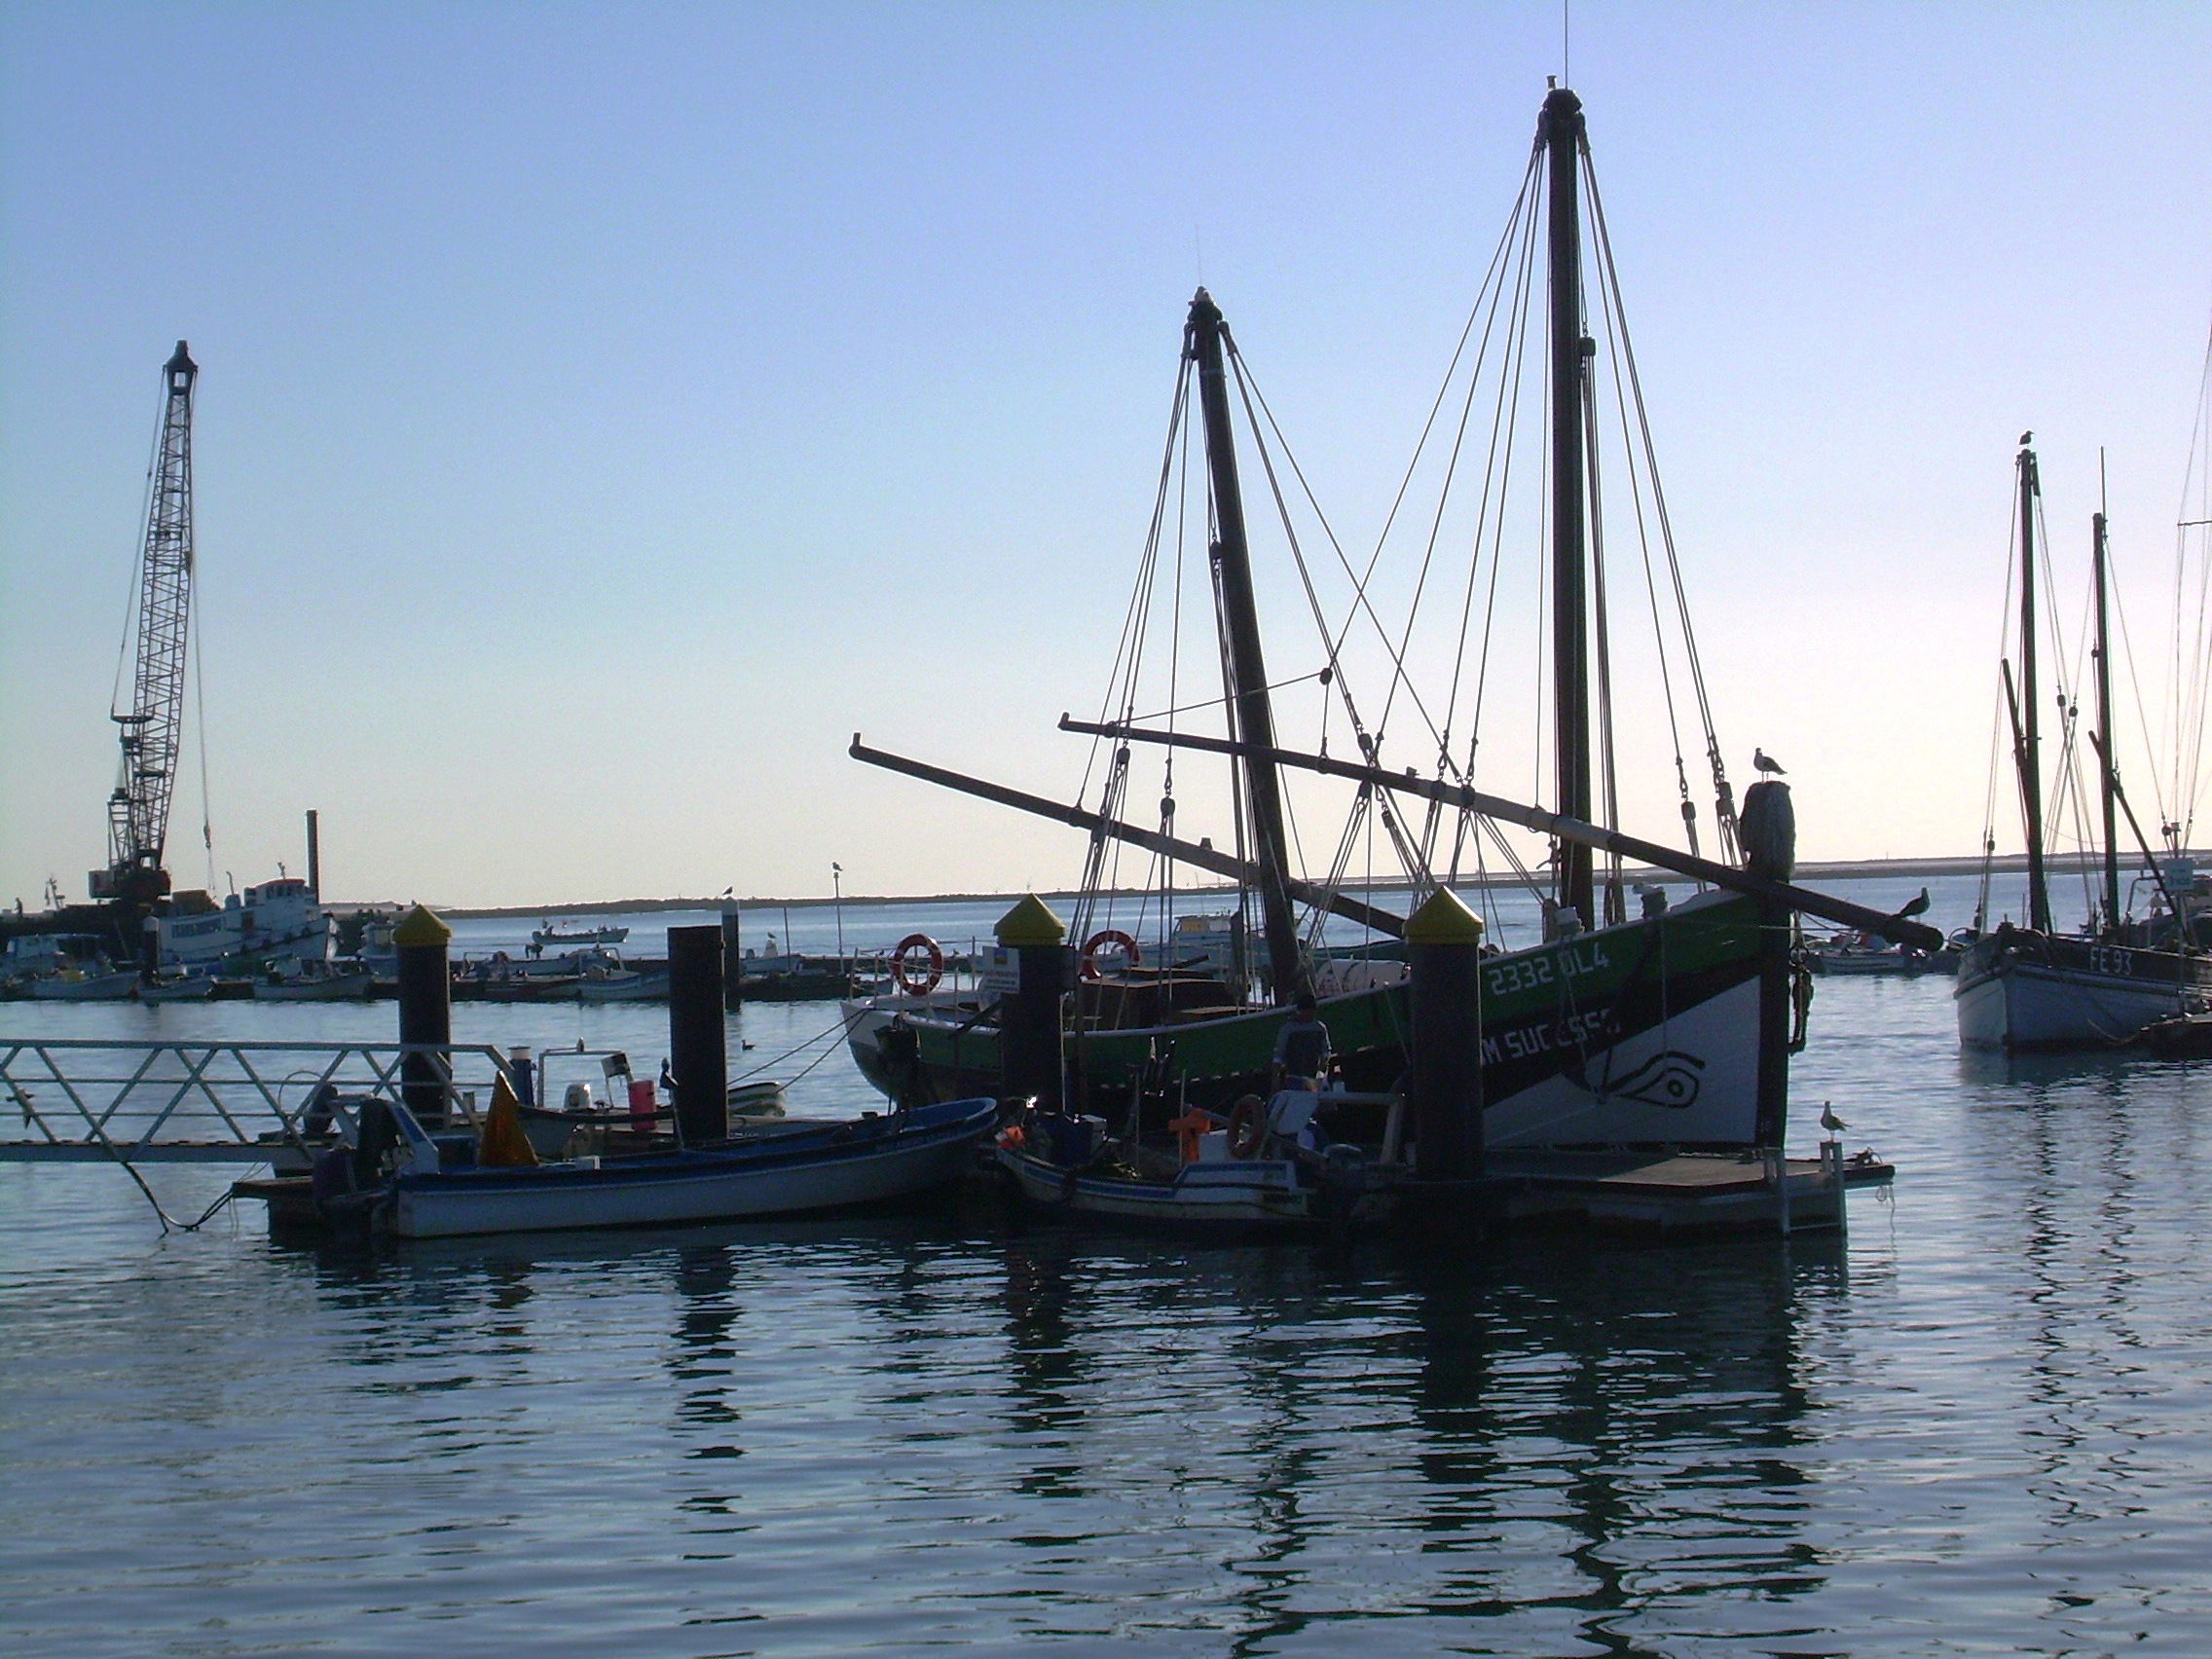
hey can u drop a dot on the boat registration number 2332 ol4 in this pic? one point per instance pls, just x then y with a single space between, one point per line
1532 972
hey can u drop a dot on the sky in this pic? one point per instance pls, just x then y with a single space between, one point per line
607 410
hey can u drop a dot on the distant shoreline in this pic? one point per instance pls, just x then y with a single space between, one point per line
1833 871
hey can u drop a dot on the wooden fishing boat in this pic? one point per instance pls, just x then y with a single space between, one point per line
2034 987
1669 1028
435 1190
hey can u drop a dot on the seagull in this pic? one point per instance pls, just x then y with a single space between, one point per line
1916 906
1763 761
2027 438
1830 1121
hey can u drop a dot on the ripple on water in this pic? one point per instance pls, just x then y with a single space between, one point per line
1979 1426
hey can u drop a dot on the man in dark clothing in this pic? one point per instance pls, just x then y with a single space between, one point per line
1302 1045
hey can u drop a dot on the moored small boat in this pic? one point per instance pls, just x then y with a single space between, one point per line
330 985
622 984
1255 1170
437 1192
197 987
74 986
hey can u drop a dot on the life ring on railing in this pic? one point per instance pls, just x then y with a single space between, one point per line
907 974
1247 1126
1105 936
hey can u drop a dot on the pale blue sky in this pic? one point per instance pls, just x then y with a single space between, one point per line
606 410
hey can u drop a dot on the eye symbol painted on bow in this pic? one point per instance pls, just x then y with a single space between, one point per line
1670 1079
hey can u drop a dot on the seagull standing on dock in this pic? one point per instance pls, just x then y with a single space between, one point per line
1830 1122
1763 761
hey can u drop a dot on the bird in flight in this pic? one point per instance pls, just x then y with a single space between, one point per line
1763 761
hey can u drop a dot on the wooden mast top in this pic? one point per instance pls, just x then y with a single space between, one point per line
2031 713
1254 714
1560 130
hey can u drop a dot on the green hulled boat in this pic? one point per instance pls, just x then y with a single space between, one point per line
1671 1028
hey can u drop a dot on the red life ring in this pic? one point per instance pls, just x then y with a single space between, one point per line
1247 1126
907 974
1104 936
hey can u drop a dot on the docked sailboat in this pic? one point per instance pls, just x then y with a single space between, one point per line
1670 1028
2033 986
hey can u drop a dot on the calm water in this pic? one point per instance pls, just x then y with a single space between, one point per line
1982 1424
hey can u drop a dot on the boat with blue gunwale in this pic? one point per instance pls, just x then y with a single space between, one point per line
401 1180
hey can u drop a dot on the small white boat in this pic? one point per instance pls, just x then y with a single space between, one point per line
197 987
328 985
788 1169
1231 1179
558 934
75 986
623 985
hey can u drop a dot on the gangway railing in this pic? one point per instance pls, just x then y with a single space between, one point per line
93 1100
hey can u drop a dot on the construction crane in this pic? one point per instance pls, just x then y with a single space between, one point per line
149 728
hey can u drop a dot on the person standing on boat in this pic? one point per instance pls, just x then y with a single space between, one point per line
1302 1047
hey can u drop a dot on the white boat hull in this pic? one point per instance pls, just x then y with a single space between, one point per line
1226 1193
794 1175
92 987
2005 1002
334 989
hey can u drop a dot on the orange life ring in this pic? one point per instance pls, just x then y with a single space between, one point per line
909 977
1103 936
1247 1126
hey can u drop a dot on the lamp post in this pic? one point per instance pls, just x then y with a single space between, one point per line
838 902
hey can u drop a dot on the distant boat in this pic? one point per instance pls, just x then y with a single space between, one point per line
282 916
312 981
73 984
1854 952
623 985
784 1169
2034 987
564 934
195 988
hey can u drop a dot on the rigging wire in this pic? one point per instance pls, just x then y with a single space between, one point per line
1725 800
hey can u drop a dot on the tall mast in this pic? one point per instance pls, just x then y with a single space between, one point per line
1560 131
2105 760
150 727
2030 766
1231 559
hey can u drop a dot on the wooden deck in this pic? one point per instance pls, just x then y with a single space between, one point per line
1676 1194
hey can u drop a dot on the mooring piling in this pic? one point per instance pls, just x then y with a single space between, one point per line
697 1055
426 1012
1444 946
1030 1024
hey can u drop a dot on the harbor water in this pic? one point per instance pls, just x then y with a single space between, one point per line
1981 1423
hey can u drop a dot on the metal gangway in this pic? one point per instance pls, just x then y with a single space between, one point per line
93 1100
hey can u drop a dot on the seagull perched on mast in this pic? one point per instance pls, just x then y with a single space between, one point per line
1763 761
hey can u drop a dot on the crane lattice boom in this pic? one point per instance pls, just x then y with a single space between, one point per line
151 726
